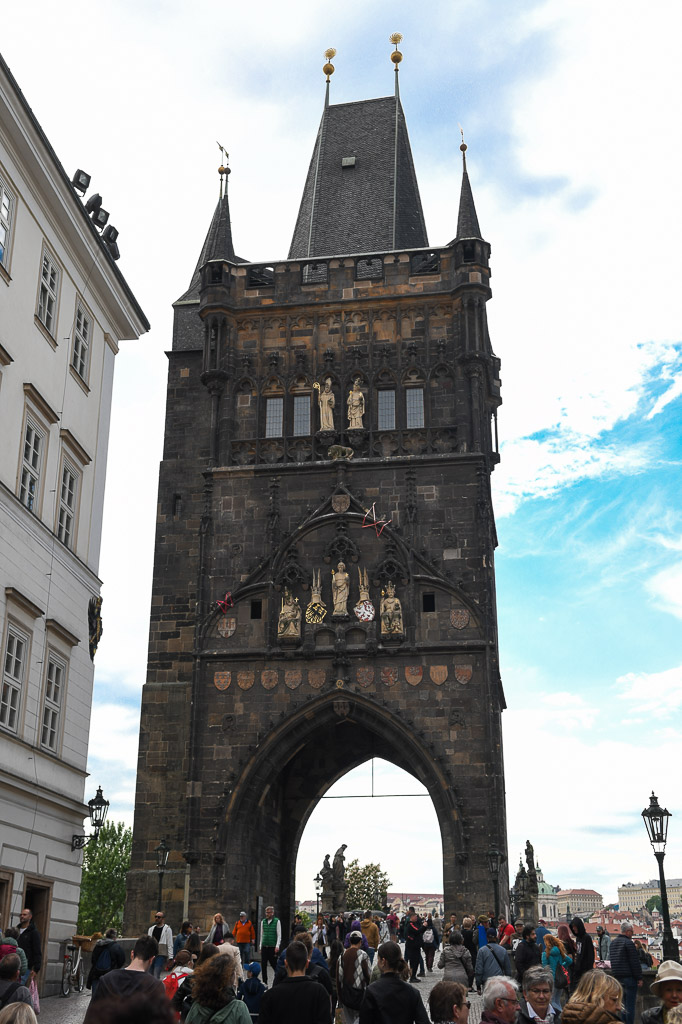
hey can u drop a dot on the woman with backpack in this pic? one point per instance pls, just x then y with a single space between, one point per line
560 964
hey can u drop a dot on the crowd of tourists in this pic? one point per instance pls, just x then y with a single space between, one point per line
362 969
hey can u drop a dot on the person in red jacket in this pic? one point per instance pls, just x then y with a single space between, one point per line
244 936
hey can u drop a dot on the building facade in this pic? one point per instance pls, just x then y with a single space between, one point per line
64 306
547 898
578 902
324 584
633 895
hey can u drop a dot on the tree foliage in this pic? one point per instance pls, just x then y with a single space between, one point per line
653 903
367 886
103 886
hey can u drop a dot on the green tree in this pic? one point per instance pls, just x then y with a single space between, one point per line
103 886
653 903
367 886
305 919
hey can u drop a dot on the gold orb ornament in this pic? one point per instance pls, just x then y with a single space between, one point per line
396 56
328 68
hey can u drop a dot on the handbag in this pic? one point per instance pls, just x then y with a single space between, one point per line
33 991
351 997
561 977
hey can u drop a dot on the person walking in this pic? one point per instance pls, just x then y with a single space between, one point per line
270 942
500 1001
29 940
603 943
371 933
455 961
431 940
584 957
107 956
469 937
219 930
135 979
181 937
413 944
297 999
245 936
626 968
557 960
389 1000
491 961
11 989
353 979
527 953
164 939
213 994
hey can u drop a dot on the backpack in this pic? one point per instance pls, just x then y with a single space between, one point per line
4 1000
561 977
170 983
103 961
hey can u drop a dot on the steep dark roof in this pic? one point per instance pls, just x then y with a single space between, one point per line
367 207
467 221
218 246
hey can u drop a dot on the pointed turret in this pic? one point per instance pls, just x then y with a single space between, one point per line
467 221
218 244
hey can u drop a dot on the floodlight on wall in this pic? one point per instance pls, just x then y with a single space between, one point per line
81 181
110 233
93 204
97 812
100 218
112 249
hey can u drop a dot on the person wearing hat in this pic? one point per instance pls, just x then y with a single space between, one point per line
251 991
668 988
245 936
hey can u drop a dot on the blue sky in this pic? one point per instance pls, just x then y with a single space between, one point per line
571 114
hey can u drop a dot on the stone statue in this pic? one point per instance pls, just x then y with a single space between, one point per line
340 589
340 885
339 869
326 402
391 612
289 624
340 451
317 609
356 406
327 875
532 873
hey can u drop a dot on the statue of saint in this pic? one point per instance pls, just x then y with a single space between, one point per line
339 866
289 624
325 399
327 875
340 589
391 611
356 406
532 873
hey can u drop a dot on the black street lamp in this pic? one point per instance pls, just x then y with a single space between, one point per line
162 851
318 889
494 864
97 812
656 821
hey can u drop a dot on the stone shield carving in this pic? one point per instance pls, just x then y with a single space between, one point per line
463 673
413 674
227 625
268 678
340 502
389 675
292 678
221 680
365 676
245 680
316 677
460 618
438 673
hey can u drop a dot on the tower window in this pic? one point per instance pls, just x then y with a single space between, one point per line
469 252
414 407
301 415
428 602
386 410
257 609
273 417
177 505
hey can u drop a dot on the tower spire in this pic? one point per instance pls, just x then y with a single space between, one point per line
328 70
467 220
396 58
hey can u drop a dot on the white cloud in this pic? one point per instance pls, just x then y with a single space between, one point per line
666 589
673 392
653 694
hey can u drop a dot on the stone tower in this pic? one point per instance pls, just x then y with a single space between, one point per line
324 585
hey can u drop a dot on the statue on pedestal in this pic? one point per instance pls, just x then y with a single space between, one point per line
339 880
391 612
289 623
356 406
327 876
326 402
340 594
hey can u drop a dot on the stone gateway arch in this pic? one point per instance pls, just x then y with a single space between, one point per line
324 586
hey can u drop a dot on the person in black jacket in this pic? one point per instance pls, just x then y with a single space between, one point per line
413 944
584 957
389 1000
625 966
298 999
527 953
29 940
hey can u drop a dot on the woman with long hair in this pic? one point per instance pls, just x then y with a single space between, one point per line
448 1003
218 931
182 1000
569 944
555 956
213 994
390 1000
319 934
18 1013
597 999
193 946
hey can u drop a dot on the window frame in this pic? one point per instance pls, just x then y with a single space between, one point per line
68 466
48 256
49 705
83 374
414 426
268 428
299 399
17 686
6 222
38 427
381 411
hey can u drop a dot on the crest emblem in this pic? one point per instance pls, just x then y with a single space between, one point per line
365 611
463 673
268 678
227 625
245 680
365 676
316 677
389 675
315 612
413 674
460 618
438 673
340 502
221 680
292 677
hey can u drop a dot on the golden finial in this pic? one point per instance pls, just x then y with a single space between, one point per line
396 38
328 68
463 147
223 169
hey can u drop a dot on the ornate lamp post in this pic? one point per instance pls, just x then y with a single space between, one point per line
162 851
97 812
494 865
656 821
318 889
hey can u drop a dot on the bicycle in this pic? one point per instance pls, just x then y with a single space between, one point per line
72 971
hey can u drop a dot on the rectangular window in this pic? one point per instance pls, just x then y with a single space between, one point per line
273 417
301 415
31 466
68 493
14 670
81 342
6 208
47 296
414 407
54 689
386 410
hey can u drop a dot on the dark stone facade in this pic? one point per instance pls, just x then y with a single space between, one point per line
243 730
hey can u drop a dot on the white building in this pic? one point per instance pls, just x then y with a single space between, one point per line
578 902
64 307
547 906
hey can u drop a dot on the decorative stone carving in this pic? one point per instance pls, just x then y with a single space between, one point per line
364 610
391 612
339 882
317 609
326 402
356 406
340 451
340 591
340 502
289 623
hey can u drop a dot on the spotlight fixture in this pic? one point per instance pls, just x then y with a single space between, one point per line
110 233
100 217
113 250
81 181
93 204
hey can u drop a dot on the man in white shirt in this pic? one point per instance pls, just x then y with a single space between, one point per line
164 937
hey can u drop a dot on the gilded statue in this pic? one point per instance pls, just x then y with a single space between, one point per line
317 609
289 624
364 609
356 406
391 612
326 402
340 589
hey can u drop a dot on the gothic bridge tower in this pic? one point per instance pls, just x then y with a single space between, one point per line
324 582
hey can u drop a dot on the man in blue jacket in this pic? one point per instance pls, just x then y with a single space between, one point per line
625 966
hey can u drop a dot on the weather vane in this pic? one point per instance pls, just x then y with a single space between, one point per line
223 169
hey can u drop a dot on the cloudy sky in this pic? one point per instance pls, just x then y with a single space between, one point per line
571 110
